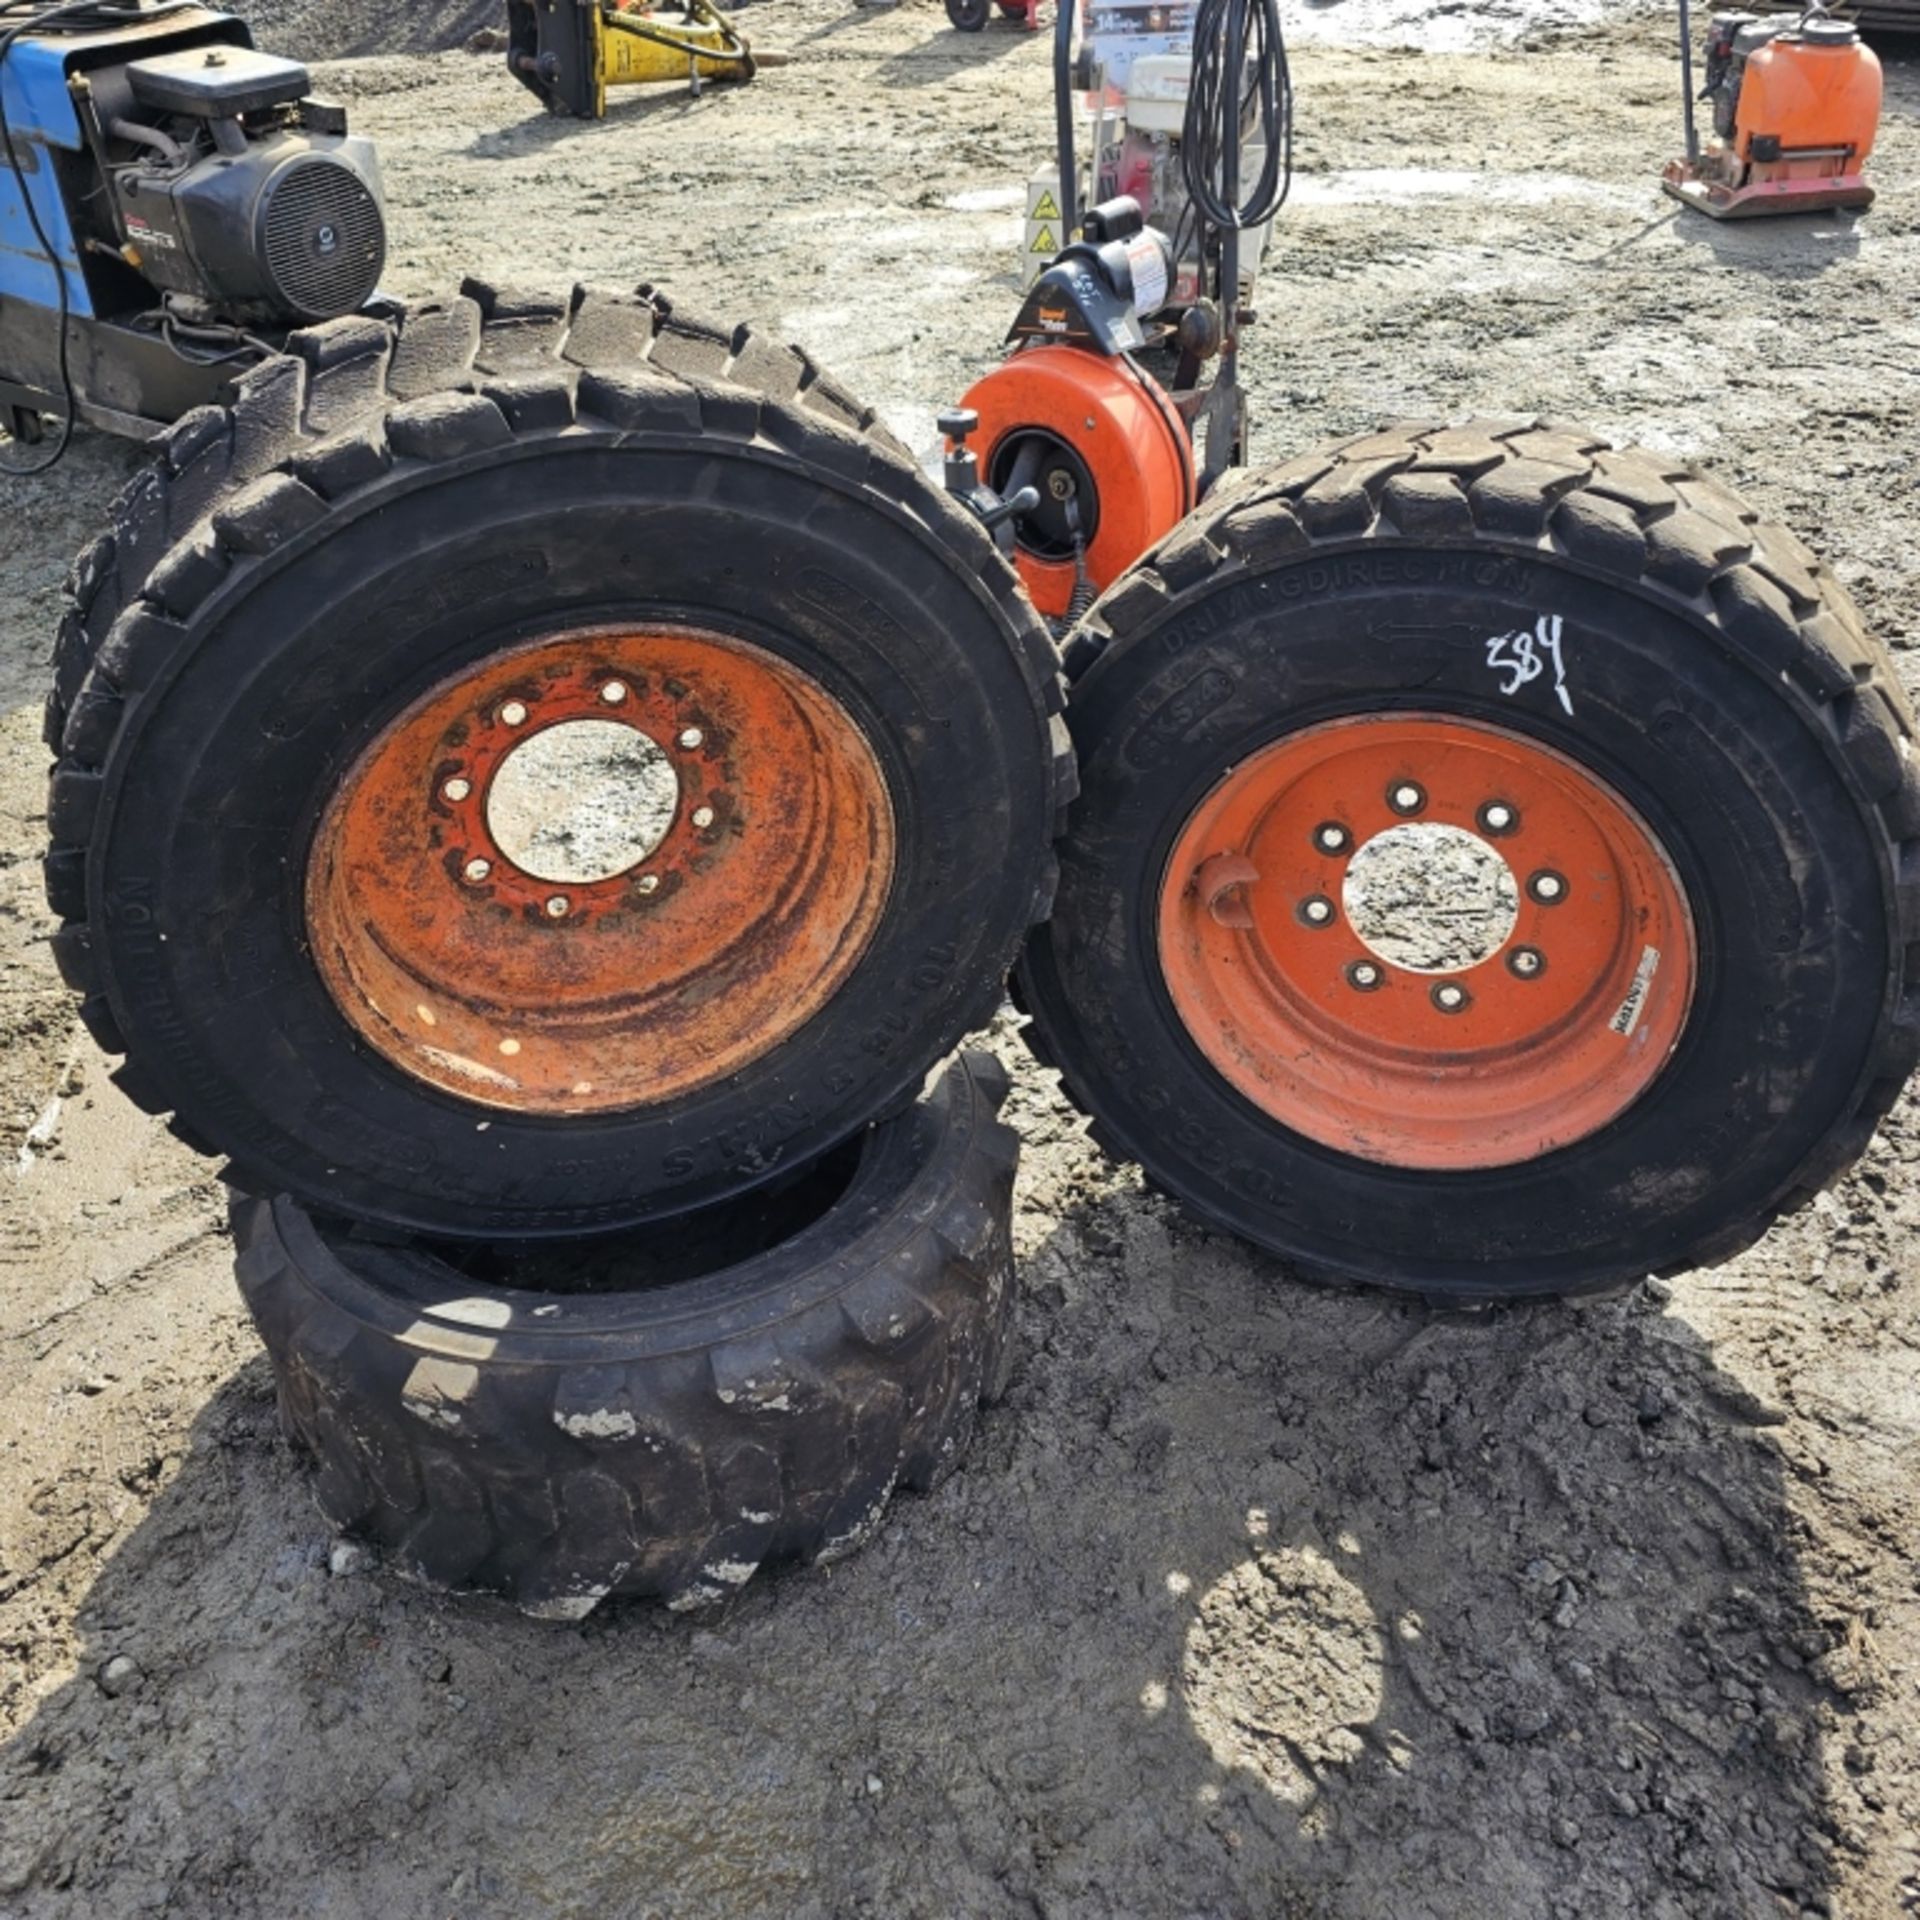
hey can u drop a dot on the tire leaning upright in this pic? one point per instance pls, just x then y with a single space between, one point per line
1593 685
541 765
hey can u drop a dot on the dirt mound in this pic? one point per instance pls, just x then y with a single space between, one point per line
337 29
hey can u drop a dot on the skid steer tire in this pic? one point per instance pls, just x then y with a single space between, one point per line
1621 628
395 504
561 1429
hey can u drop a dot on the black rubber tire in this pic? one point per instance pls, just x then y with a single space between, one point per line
668 1440
469 471
1722 683
970 16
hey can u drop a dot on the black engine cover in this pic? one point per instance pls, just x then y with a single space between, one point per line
290 228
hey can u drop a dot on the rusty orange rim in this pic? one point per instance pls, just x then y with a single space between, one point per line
600 870
1549 1025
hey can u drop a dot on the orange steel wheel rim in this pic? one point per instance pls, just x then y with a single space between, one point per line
1124 430
1485 1058
600 870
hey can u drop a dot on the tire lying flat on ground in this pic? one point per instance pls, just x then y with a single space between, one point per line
663 1414
542 765
1683 771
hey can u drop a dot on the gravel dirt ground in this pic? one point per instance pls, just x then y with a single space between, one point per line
1253 1599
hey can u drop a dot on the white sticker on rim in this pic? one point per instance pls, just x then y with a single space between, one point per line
1635 1004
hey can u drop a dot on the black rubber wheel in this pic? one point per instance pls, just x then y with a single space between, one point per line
1716 677
395 502
970 16
664 1414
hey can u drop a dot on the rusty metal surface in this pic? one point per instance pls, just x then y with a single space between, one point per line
620 988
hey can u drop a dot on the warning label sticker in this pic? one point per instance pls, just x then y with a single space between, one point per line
1044 242
1045 208
1149 264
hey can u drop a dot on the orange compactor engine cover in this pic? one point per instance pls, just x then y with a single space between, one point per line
1810 96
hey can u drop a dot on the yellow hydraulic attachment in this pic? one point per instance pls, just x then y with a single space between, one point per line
571 51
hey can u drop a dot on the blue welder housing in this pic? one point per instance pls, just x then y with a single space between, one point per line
41 117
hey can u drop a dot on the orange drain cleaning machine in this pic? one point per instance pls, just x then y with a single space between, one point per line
1796 104
1077 455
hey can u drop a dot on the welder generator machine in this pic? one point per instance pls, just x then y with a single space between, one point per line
176 202
542 782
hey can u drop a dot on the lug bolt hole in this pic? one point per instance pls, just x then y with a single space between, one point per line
614 692
690 737
1450 996
1363 976
648 883
703 817
513 713
1498 817
477 870
1547 887
457 789
1316 910
1526 963
1331 837
1406 798
557 907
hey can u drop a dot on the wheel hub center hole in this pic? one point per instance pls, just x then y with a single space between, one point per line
1431 899
581 801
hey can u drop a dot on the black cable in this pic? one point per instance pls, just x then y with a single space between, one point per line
16 22
1218 104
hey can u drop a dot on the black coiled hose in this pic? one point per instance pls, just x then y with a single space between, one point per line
1239 71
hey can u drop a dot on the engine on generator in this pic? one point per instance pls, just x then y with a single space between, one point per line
172 202
228 184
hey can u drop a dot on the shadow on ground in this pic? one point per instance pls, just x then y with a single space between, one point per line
1252 1600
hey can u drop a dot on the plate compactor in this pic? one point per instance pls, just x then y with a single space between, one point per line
541 781
1796 106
